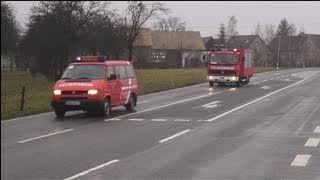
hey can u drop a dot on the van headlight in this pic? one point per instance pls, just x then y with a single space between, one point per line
92 91
57 92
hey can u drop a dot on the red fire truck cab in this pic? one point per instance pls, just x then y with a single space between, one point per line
230 66
95 84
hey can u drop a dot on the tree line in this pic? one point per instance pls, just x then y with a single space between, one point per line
59 30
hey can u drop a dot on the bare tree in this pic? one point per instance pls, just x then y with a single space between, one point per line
231 28
293 29
170 24
222 34
269 33
139 12
258 30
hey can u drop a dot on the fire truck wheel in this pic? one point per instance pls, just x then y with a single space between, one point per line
130 105
210 83
239 83
59 113
106 109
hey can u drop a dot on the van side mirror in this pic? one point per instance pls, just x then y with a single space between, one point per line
204 57
112 77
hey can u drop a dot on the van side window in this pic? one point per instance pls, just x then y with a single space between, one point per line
121 72
111 73
130 71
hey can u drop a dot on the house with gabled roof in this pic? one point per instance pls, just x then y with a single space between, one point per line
296 51
262 54
161 49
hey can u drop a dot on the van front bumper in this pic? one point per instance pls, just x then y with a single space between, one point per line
73 105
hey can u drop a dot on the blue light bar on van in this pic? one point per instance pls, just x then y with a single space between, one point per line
90 58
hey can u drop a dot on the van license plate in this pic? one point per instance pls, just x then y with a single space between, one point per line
73 103
221 77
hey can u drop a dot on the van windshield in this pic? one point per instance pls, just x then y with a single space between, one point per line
85 71
223 59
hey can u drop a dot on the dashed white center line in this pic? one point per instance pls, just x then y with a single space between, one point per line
173 136
92 169
317 130
113 119
142 102
301 160
181 120
272 79
135 119
265 80
312 142
60 132
159 120
256 82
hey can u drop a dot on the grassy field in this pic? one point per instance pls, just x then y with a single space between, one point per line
38 89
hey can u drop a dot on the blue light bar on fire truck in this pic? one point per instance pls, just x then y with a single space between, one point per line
90 59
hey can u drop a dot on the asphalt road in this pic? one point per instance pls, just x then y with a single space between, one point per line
269 129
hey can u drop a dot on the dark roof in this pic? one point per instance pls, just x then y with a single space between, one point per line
315 38
292 42
206 39
241 41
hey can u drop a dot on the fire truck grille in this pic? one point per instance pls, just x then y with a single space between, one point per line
222 72
73 98
73 92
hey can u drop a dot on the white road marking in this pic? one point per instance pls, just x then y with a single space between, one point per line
173 136
113 119
265 80
25 117
301 160
142 102
288 80
211 105
312 142
92 169
276 73
272 79
265 87
256 100
159 120
170 104
181 120
46 135
317 130
257 82
278 77
135 119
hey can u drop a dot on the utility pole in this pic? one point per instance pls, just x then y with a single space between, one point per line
278 53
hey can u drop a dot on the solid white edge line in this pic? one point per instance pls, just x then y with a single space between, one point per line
25 117
173 136
92 169
312 142
256 100
181 120
300 160
317 130
39 137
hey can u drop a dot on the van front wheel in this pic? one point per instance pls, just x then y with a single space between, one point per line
59 113
106 109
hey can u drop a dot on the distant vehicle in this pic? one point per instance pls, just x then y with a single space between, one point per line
95 84
230 66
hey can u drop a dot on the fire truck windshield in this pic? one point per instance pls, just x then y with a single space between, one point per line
85 71
223 59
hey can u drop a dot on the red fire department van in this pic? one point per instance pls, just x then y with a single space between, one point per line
230 66
95 84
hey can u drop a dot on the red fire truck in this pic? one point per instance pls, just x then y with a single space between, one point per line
230 66
95 84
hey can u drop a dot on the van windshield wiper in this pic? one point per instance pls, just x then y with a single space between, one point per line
83 78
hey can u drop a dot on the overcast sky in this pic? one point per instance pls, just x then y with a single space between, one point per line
206 16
